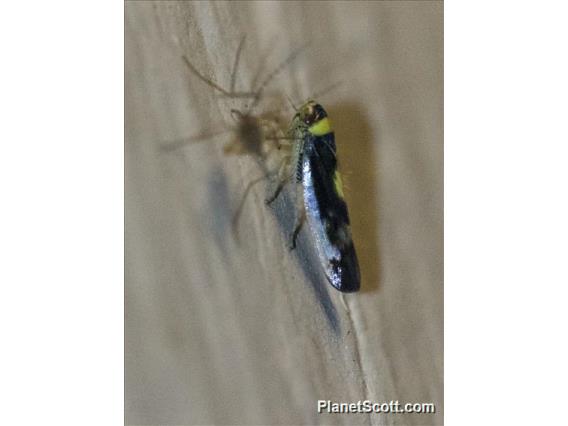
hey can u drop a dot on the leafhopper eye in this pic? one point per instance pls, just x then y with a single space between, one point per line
310 115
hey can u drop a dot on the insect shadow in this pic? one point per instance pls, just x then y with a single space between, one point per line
257 135
252 130
254 134
307 259
358 159
354 135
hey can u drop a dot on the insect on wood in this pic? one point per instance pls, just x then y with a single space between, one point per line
311 163
319 195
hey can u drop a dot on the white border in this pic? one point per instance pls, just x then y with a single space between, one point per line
61 177
506 212
61 309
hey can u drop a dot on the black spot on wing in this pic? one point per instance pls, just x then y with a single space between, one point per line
320 152
347 269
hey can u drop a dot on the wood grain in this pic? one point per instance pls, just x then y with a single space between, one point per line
236 329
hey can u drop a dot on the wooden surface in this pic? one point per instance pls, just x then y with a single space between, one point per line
227 330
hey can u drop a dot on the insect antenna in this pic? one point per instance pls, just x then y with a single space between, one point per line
291 103
326 90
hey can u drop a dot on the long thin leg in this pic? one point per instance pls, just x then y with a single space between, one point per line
277 192
230 94
300 218
210 83
288 169
236 64
283 179
239 210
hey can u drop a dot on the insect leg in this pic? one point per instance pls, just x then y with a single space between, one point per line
236 64
239 210
267 175
281 141
284 177
231 93
300 216
204 79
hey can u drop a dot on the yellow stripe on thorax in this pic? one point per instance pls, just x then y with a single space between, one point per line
338 184
321 127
